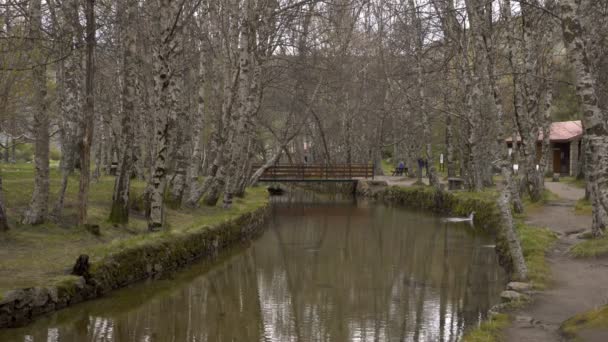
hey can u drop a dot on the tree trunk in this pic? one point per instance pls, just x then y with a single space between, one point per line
449 147
119 212
70 101
595 120
426 126
89 114
165 93
258 173
38 208
197 127
3 218
505 199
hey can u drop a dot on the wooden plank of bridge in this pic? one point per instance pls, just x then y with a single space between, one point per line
319 172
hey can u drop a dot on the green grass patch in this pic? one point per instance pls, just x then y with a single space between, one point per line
530 207
579 183
590 248
583 207
490 330
535 242
594 319
388 167
38 255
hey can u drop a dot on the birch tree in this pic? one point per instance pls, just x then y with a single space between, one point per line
88 119
595 119
166 45
120 199
38 207
71 98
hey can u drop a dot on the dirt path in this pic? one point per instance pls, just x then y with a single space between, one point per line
578 285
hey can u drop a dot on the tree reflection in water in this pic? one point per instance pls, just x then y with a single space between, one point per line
321 272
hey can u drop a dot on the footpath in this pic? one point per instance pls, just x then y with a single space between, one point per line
578 285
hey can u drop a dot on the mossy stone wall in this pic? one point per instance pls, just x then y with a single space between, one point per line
127 265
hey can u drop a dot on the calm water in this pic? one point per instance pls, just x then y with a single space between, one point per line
321 272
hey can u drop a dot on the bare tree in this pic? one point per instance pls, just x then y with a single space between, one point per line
120 198
38 208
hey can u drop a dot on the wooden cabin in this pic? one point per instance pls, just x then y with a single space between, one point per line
565 140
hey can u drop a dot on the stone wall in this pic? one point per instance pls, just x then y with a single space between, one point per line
131 264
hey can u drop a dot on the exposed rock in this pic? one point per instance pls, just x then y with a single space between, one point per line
509 296
519 286
12 296
524 320
53 294
40 296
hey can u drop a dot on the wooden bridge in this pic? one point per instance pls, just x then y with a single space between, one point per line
316 172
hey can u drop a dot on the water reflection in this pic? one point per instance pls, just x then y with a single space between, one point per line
321 272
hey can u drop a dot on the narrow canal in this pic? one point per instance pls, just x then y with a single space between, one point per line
322 271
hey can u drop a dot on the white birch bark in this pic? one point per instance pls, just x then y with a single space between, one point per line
166 46
595 120
119 212
38 207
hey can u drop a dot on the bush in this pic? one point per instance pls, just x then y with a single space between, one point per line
24 152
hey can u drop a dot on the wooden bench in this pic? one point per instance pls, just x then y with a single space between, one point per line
455 183
400 172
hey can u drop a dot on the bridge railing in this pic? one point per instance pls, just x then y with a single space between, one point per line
316 172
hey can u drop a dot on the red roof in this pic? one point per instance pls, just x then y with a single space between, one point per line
562 131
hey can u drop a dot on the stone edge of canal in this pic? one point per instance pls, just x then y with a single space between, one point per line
21 306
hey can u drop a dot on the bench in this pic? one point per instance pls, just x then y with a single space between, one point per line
455 183
399 172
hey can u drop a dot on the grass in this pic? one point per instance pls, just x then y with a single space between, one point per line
583 207
594 319
535 242
36 255
579 183
590 248
490 330
530 206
